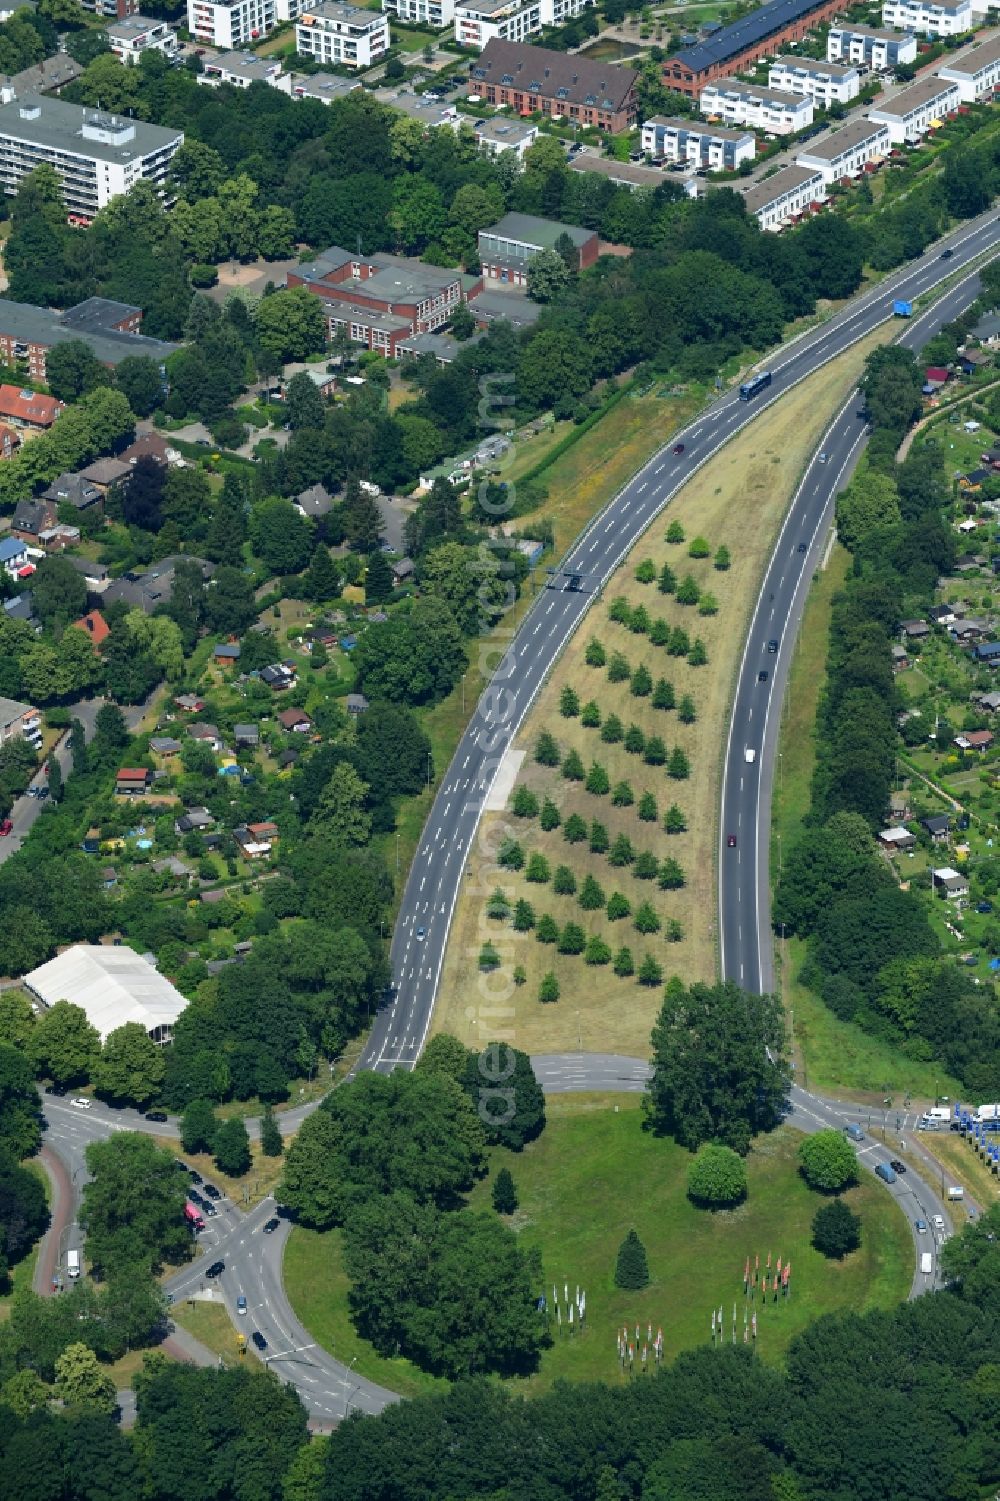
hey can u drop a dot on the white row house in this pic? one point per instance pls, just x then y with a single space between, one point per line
866 47
976 72
824 83
342 34
711 146
929 17
434 13
785 196
736 103
916 110
847 152
480 21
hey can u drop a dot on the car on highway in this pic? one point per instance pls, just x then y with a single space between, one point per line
156 1115
575 585
823 457
920 1226
6 827
731 841
897 1166
81 1103
241 1304
260 1342
946 255
803 547
772 647
762 675
212 1191
216 1269
678 449
421 934
937 1221
270 1226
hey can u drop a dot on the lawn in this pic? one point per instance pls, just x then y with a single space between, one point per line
594 1151
738 499
210 1323
959 1163
22 1275
244 1192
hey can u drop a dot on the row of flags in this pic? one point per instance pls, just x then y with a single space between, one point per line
577 1305
630 1350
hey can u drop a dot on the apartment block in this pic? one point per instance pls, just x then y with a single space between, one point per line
771 110
344 35
111 10
497 137
532 79
785 196
711 146
929 17
866 47
480 21
823 83
434 13
109 329
241 69
230 24
96 156
848 151
913 112
132 38
976 72
736 48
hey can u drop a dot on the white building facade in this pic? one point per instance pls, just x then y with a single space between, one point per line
342 34
232 25
433 13
865 47
735 103
241 69
824 83
929 17
913 112
847 152
96 156
785 196
480 21
711 146
132 38
976 72
498 137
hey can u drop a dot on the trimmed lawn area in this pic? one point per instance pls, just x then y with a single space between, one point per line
594 1151
211 1324
317 1288
738 500
959 1163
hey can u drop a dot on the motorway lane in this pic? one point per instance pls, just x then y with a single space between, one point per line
746 947
434 880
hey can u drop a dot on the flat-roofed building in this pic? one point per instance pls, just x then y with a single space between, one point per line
506 248
824 83
713 146
929 17
480 21
975 72
96 156
112 985
434 13
785 196
771 110
866 46
323 87
913 112
496 137
132 38
345 35
241 69
231 23
847 151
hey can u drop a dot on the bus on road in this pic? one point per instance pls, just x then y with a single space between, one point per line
193 1217
750 388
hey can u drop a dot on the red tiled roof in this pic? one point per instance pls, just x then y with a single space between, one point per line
29 406
95 625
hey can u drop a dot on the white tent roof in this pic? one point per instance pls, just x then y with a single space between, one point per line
112 985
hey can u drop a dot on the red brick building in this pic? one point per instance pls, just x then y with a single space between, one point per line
536 79
735 48
380 300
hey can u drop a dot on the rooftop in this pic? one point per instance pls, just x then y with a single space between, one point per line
45 326
322 86
507 132
847 28
843 140
785 181
348 15
973 59
527 229
82 132
243 65
913 98
111 985
539 70
815 65
133 26
627 173
10 709
700 128
735 88
746 32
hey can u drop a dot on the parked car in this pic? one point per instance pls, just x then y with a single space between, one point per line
212 1191
156 1115
82 1103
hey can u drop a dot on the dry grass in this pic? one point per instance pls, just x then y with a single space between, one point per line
244 1192
738 499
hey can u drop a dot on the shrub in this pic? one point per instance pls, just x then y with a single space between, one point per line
639 623
510 854
679 644
686 711
708 605
619 906
569 703
699 548
574 829
591 894
645 573
688 592
698 656
498 906
674 932
717 1178
659 632
590 715
635 740
646 920
525 804
611 730
646 866
597 951
836 1230
489 959
620 611
548 990
650 973
642 682
504 1192
648 811
572 939
675 532
564 881
671 875
618 668
722 559
621 852
595 655
674 821
598 782
668 580
679 767
550 815
572 767
538 869
827 1161
598 838
524 916
546 750
663 694
622 795
624 964
547 930
631 1266
655 753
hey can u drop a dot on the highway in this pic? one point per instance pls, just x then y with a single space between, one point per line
433 883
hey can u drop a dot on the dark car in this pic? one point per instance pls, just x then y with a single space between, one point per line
270 1226
259 1341
216 1269
678 448
208 1209
762 675
984 906
803 547
772 647
897 1166
194 1175
58 1089
575 584
212 1191
731 841
946 255
156 1115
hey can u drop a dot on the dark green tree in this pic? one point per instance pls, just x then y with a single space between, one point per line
504 1193
836 1229
631 1266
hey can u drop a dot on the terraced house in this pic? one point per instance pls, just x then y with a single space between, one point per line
823 83
867 47
531 79
736 48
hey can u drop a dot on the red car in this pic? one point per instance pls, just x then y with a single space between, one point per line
678 448
731 841
6 827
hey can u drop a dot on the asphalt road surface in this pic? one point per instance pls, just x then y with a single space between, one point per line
746 948
429 897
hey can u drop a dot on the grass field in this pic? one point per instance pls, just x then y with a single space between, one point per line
210 1323
958 1163
594 1151
738 499
256 1184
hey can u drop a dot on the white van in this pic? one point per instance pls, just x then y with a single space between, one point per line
73 1263
926 1263
749 755
955 1192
